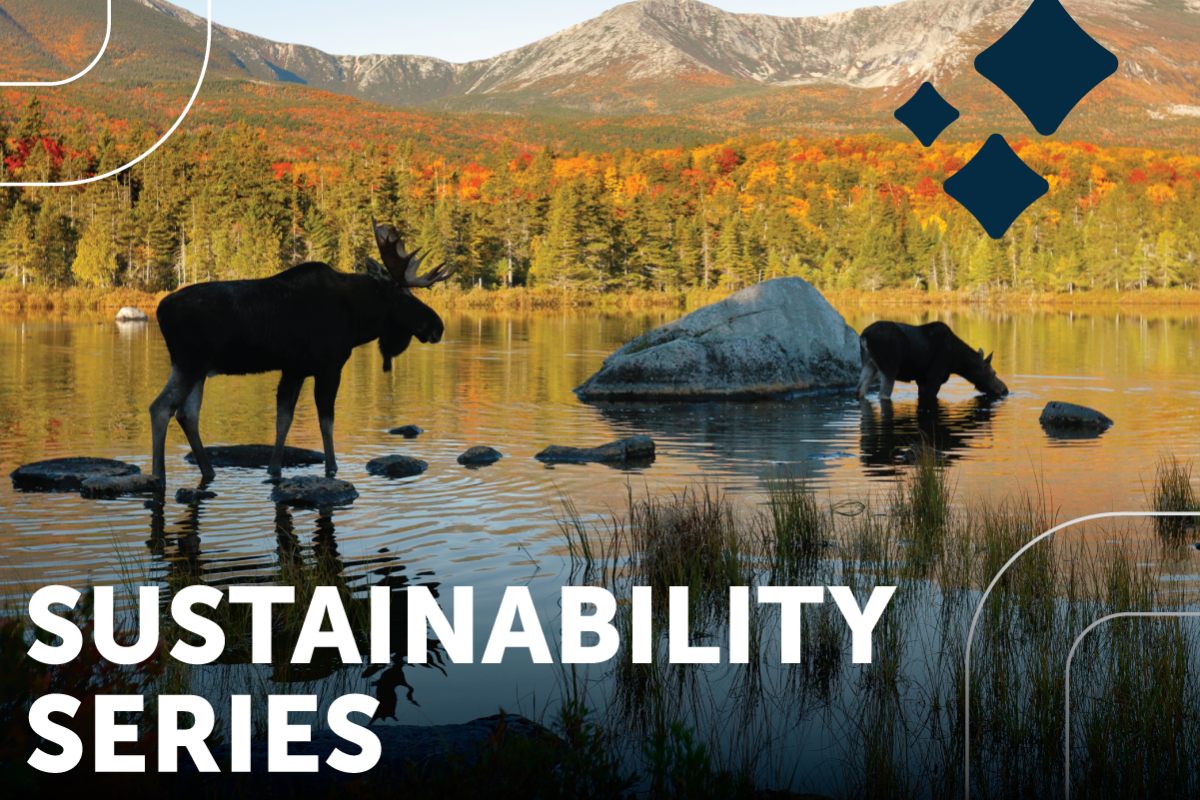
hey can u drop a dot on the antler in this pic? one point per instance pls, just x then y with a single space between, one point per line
403 266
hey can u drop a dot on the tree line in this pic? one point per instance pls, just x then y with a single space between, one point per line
861 212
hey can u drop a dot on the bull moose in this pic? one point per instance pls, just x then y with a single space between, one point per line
304 322
927 354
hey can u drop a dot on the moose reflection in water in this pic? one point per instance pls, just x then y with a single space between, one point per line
890 432
304 567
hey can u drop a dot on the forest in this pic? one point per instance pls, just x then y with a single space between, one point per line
858 212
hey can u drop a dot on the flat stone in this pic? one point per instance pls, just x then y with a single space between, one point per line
189 496
131 314
1069 415
634 449
407 431
396 466
480 456
777 338
309 491
110 486
257 455
67 474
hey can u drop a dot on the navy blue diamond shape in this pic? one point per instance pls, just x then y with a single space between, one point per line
996 186
926 114
1046 64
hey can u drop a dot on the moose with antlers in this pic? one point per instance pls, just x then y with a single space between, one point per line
304 321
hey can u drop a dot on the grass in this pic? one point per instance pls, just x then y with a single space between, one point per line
892 728
16 299
1173 492
896 724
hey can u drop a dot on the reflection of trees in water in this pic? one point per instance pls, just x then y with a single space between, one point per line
892 429
178 547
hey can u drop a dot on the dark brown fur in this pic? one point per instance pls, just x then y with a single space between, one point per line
303 322
925 354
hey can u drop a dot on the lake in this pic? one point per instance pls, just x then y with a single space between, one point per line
82 386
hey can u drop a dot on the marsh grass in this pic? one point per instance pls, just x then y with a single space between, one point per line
894 727
1173 492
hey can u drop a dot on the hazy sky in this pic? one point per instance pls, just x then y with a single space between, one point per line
456 30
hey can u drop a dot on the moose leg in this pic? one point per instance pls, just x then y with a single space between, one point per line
285 409
325 389
161 410
886 385
188 416
927 392
869 371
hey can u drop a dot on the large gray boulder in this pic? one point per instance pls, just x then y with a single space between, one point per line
776 338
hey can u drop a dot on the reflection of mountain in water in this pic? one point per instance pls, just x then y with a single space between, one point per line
891 429
295 564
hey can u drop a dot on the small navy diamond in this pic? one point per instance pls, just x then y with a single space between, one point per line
926 114
996 186
1046 64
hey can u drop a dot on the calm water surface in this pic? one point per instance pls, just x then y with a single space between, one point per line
82 386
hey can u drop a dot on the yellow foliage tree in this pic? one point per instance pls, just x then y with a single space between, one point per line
96 260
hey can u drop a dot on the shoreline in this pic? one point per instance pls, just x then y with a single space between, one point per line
17 300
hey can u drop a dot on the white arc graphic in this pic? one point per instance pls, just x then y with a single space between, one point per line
64 82
979 610
165 136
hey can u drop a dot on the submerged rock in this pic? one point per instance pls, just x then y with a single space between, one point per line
1069 415
775 338
67 474
479 456
396 466
407 431
309 491
257 455
189 496
131 314
639 449
109 486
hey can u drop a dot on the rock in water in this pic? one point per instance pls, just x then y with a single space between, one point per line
257 455
189 496
106 487
396 466
407 431
775 338
67 474
479 456
1069 415
131 314
635 449
309 491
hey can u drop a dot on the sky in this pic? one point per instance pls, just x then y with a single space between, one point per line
454 30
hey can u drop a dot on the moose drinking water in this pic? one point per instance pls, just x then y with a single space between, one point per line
927 354
304 321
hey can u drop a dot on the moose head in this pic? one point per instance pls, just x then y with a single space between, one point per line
984 377
397 276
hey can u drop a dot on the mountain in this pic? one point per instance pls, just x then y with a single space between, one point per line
732 72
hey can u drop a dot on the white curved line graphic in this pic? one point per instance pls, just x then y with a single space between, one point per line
983 599
167 135
95 61
1067 687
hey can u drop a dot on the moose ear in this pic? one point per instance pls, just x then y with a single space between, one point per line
376 271
987 360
